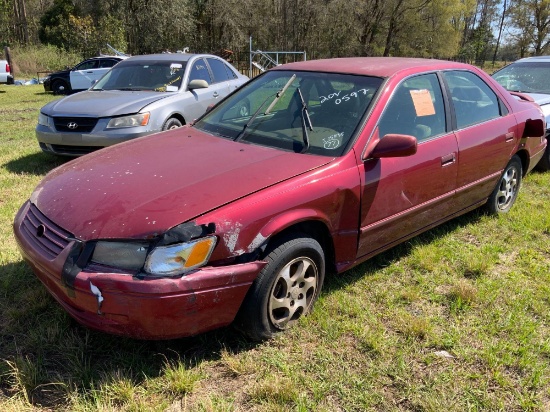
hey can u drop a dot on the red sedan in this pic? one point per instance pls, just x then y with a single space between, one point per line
237 218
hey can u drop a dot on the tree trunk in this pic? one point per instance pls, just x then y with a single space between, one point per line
500 28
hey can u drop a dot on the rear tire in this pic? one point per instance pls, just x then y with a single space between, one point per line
285 289
171 123
506 191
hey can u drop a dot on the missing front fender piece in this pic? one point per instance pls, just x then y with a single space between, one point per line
95 290
186 232
78 257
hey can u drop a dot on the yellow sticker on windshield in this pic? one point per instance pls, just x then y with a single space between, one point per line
423 102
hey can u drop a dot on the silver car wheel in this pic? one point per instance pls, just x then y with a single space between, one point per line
293 292
509 186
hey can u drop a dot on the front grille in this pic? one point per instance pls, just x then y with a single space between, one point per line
47 237
75 124
74 150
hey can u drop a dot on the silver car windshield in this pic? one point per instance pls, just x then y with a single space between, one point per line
158 76
529 77
303 112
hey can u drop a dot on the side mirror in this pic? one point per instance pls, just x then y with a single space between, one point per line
534 128
197 84
395 145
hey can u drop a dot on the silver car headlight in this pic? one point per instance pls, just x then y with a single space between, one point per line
140 119
179 258
43 119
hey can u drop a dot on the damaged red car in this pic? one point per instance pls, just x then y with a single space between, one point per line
237 218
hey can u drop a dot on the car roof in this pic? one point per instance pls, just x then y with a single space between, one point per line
107 57
373 66
533 59
183 57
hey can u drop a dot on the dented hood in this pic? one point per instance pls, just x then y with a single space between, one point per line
143 187
104 103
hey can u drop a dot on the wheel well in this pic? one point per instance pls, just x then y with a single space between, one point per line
316 230
176 116
524 157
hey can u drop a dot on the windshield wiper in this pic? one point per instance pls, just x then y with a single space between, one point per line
306 121
257 112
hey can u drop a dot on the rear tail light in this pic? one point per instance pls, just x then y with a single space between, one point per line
8 68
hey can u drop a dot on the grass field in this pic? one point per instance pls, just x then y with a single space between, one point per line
457 319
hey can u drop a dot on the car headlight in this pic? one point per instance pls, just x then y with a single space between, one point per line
43 119
180 258
123 255
140 119
170 260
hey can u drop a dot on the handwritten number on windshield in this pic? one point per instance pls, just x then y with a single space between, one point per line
342 99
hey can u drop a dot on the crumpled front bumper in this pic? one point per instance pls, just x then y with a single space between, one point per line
150 308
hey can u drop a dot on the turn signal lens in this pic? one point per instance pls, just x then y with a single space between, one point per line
180 258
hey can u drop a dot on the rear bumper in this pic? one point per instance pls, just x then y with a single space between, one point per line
6 79
156 308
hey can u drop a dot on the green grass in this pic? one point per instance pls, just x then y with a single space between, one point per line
477 288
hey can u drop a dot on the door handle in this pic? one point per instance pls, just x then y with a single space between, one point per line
89 72
509 137
448 160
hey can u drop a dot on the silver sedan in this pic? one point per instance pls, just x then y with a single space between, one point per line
139 96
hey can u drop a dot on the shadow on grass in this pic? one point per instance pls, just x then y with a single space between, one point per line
45 354
38 336
37 163
335 282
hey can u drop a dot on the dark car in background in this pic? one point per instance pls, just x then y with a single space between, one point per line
238 217
139 96
80 77
530 76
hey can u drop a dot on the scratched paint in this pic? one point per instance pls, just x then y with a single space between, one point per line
231 235
256 242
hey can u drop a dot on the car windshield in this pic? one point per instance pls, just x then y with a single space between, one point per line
158 76
526 77
303 112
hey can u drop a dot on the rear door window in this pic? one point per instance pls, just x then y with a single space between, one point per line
474 102
218 70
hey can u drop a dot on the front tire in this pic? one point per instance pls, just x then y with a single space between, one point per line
506 191
285 289
171 123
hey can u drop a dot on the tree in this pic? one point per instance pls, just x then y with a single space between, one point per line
54 24
531 25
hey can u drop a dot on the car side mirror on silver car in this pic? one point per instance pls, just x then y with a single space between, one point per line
197 84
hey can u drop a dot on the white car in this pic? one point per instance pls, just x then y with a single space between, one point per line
5 73
531 76
80 77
